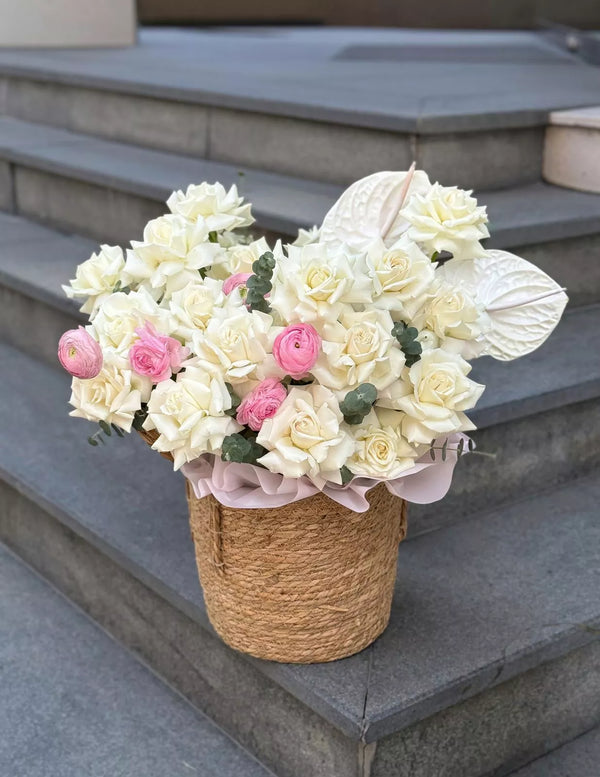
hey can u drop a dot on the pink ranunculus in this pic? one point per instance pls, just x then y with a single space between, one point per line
80 354
261 403
156 356
296 349
239 279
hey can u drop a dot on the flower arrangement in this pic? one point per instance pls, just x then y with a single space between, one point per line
318 371
330 364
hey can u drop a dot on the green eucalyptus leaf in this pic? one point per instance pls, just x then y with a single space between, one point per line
358 403
346 474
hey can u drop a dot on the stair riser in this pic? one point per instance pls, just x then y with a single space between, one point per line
270 722
114 216
334 153
33 326
262 716
532 452
508 725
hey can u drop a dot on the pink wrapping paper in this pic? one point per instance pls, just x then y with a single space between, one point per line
249 487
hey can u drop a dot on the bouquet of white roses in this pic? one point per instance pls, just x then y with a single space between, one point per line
340 358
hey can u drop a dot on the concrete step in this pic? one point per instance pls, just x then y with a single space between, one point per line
491 658
108 191
543 431
579 758
330 105
572 149
75 703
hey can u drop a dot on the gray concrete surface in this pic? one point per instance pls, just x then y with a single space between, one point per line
75 703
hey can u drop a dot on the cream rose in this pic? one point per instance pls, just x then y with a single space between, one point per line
218 208
446 219
190 415
240 258
449 312
307 236
120 314
236 343
113 396
194 305
305 436
314 283
97 277
171 245
381 451
358 349
434 394
401 273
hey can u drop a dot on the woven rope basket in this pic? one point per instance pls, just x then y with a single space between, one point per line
308 582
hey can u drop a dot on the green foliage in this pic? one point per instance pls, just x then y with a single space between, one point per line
139 418
259 284
213 237
441 257
346 475
235 400
122 289
244 450
358 403
407 338
105 428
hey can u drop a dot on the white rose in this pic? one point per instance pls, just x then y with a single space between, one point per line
446 219
428 339
120 314
381 451
449 311
97 277
401 272
307 236
219 209
359 349
304 437
236 343
171 246
240 258
434 394
313 283
193 306
189 415
113 396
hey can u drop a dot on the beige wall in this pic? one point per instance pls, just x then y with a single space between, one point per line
67 22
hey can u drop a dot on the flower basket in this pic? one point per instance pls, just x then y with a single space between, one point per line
307 391
307 582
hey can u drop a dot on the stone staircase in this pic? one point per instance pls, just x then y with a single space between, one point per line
492 656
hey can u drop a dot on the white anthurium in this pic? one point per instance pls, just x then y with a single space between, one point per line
522 303
369 209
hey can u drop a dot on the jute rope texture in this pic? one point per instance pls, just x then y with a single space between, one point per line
311 581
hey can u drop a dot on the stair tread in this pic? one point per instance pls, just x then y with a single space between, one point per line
579 758
522 215
75 702
36 261
475 603
343 76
